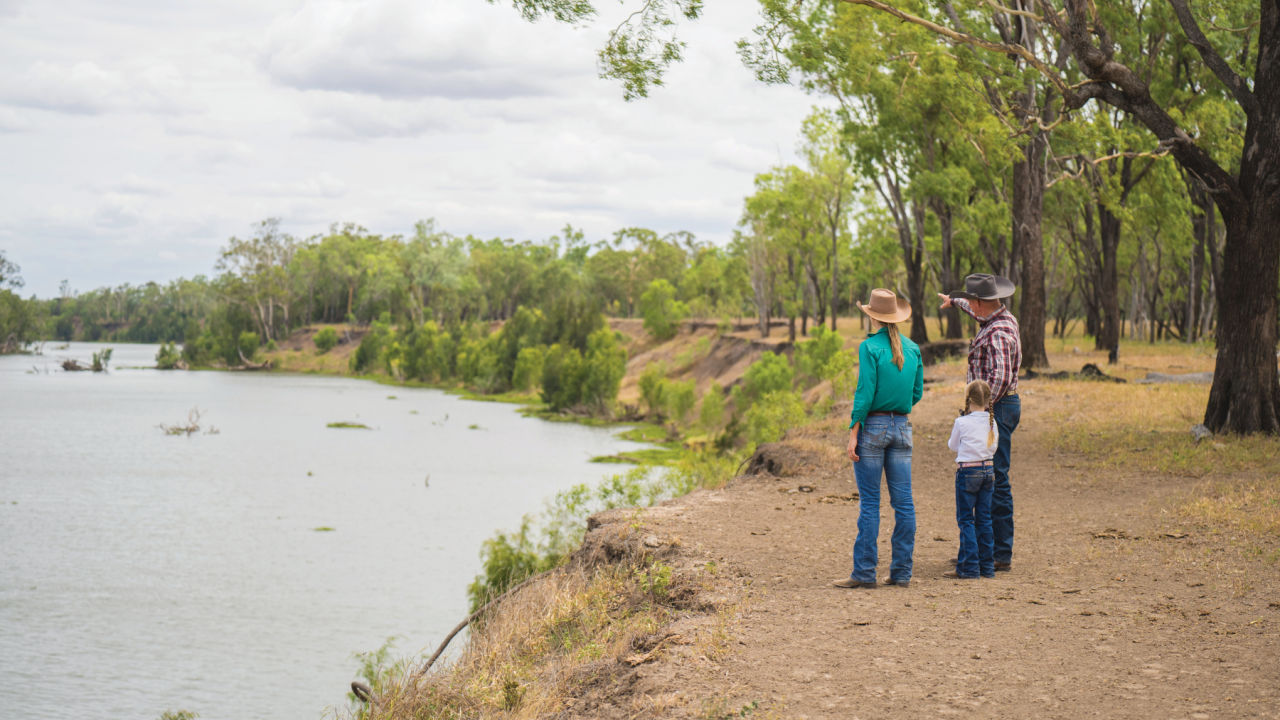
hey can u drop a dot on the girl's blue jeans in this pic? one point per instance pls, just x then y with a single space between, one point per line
974 487
884 445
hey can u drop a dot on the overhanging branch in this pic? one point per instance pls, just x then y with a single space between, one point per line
1239 90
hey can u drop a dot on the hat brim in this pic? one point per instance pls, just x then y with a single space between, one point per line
1004 288
902 313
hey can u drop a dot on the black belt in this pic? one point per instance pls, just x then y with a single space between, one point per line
884 414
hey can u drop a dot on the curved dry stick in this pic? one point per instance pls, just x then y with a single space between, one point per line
457 629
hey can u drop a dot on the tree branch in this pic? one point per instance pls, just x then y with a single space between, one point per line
1220 68
965 38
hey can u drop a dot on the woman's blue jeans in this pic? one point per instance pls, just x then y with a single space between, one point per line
884 444
973 515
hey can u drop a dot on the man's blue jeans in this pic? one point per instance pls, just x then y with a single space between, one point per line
1008 412
973 515
884 444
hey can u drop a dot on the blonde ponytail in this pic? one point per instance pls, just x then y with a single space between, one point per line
895 343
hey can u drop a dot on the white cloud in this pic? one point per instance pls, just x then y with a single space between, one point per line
322 185
411 49
86 88
145 128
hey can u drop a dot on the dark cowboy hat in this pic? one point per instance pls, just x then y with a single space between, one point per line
981 286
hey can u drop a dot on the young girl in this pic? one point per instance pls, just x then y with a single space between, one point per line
973 438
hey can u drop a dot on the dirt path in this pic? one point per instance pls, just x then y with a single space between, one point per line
1103 615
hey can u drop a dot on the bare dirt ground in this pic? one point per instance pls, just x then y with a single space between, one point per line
1114 608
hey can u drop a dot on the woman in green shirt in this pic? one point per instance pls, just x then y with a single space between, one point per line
890 383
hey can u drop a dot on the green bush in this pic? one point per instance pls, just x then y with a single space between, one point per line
769 418
326 340
711 414
681 397
820 357
247 344
168 357
653 389
771 373
661 311
590 381
528 370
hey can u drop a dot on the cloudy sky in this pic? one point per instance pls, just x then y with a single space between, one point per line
138 135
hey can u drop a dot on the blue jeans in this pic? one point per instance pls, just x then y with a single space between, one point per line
884 443
973 515
1008 412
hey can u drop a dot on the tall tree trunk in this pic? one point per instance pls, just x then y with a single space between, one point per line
915 277
835 265
950 316
1028 209
1109 287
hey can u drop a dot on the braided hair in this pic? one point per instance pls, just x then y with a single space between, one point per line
978 394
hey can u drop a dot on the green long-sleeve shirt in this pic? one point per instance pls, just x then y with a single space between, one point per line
882 387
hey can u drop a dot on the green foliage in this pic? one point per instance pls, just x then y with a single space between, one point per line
528 369
711 414
814 356
653 388
590 381
326 340
100 360
378 671
248 344
769 418
680 399
179 715
661 311
168 357
769 374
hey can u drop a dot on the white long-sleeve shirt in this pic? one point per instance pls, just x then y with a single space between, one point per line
969 437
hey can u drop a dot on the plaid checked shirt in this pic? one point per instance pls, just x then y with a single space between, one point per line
995 353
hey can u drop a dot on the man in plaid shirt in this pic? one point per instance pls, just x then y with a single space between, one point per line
995 354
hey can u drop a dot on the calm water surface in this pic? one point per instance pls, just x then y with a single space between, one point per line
143 572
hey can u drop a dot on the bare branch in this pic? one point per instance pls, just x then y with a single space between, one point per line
1220 68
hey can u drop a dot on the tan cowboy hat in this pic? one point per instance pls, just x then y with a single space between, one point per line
886 307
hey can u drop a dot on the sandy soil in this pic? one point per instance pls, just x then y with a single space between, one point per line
1113 608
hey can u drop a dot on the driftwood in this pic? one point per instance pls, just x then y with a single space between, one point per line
1155 377
934 352
250 365
73 365
365 693
1088 372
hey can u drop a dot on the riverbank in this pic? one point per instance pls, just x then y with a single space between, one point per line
1143 585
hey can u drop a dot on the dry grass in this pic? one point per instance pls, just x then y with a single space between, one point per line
1112 430
556 641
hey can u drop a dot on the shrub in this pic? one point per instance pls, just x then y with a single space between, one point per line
661 311
771 373
528 370
247 344
653 388
711 414
821 357
681 397
769 418
326 340
168 357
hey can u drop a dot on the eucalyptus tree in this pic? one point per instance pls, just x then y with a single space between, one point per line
256 275
1242 51
785 218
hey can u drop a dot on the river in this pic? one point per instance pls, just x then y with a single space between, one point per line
235 574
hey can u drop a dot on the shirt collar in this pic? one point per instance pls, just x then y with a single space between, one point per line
992 316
